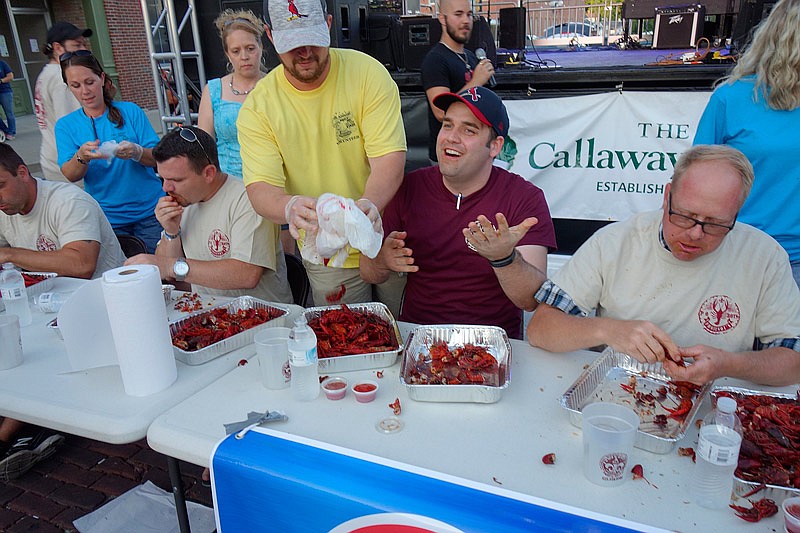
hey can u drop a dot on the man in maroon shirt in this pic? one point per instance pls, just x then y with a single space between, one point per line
464 268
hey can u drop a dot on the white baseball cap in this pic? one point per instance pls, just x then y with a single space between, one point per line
296 23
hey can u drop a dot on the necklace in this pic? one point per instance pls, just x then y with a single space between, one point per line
461 55
240 93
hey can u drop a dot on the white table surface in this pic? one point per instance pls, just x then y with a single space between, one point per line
481 442
93 403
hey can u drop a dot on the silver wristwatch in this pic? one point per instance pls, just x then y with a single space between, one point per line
180 269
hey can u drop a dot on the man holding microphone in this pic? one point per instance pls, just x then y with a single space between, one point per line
449 67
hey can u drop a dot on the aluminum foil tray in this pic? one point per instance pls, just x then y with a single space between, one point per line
212 351
43 286
365 361
494 339
601 381
776 493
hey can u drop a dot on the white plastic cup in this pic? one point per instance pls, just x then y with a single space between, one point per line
791 514
273 357
10 342
609 431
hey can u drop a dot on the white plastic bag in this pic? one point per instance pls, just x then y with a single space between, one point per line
341 223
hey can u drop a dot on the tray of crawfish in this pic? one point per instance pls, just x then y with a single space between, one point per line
205 335
665 408
355 336
456 363
769 458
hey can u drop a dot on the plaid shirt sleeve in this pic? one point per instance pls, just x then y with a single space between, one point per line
553 295
791 343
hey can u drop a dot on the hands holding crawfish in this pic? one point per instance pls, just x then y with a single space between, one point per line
168 213
495 243
642 340
708 364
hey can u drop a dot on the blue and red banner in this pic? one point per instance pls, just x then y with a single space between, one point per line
271 481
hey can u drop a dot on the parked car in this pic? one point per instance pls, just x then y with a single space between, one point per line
570 29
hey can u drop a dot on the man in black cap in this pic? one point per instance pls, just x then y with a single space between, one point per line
464 268
52 98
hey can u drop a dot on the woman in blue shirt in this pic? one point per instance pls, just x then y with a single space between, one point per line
757 110
109 145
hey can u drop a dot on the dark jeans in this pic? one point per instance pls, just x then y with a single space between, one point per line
9 127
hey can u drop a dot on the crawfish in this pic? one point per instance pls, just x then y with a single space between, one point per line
762 508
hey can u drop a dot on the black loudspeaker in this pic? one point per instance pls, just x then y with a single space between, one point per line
382 34
418 35
752 12
482 38
511 33
678 26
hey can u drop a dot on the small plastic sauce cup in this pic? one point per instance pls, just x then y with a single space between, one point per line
365 391
791 514
335 388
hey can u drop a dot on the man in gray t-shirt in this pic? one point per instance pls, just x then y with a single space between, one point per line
52 227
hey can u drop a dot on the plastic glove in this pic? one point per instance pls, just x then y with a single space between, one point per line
290 217
129 150
371 210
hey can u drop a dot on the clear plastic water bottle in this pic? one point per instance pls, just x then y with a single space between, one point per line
717 456
303 361
50 302
15 296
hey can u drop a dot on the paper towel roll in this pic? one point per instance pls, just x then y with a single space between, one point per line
138 319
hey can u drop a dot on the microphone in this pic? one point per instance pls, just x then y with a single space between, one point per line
480 53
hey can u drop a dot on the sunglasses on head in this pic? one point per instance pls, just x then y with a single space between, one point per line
77 53
189 135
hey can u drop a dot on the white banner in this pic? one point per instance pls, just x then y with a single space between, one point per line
602 156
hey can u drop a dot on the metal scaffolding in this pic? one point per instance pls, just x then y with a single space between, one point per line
167 59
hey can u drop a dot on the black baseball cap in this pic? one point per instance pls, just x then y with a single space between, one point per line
64 31
484 104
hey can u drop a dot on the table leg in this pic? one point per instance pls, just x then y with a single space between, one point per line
177 492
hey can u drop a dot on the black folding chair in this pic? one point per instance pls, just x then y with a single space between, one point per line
131 245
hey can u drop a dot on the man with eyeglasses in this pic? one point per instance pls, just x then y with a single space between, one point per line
449 67
685 284
212 237
325 120
52 98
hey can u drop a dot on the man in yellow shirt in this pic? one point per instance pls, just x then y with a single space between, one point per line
325 120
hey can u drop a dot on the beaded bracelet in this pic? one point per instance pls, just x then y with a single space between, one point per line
506 261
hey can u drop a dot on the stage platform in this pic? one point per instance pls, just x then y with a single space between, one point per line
584 70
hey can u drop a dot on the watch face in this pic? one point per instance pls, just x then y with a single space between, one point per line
181 268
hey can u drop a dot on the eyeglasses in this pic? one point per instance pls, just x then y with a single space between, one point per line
77 53
189 135
709 228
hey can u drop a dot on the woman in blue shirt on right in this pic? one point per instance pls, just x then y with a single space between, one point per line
757 110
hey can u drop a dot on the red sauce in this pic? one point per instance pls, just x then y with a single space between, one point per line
336 385
364 387
794 510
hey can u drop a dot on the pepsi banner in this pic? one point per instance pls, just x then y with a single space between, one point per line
272 481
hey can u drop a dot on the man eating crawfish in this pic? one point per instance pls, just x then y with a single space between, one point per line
687 282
